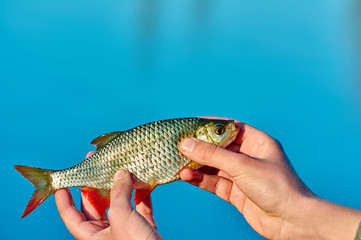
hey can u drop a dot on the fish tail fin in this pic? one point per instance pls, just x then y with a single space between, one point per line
40 178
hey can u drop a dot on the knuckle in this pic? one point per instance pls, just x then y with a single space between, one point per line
271 141
276 142
114 212
276 145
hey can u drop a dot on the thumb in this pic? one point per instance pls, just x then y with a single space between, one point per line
120 196
234 164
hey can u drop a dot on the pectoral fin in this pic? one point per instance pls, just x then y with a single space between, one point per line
102 140
98 198
192 165
141 194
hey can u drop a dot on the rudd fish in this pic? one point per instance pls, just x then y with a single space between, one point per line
150 152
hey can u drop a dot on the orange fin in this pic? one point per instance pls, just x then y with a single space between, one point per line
192 165
141 194
98 198
104 139
40 178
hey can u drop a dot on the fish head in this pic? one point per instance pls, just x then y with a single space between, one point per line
217 131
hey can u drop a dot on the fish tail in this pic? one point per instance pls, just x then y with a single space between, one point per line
40 178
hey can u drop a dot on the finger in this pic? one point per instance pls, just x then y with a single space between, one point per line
124 221
145 209
209 170
215 117
246 130
120 196
254 142
247 135
233 147
213 171
220 186
205 153
90 153
71 216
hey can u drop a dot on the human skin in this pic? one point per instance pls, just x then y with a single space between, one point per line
123 222
255 175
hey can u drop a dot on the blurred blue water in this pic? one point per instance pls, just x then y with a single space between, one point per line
71 70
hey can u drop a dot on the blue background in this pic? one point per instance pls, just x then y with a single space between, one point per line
71 70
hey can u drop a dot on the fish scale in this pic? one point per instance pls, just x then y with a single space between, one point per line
150 152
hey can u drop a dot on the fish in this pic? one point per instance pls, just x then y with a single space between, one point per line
150 152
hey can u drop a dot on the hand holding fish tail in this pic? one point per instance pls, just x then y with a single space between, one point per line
255 175
124 222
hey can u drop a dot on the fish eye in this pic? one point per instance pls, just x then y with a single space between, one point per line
219 129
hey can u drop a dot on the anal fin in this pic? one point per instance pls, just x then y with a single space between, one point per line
98 198
141 194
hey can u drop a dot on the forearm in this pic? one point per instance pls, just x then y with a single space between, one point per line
322 219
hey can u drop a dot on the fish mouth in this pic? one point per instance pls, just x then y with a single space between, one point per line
233 134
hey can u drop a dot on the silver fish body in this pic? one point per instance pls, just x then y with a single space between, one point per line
150 152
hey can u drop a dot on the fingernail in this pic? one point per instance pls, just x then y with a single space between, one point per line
120 174
188 145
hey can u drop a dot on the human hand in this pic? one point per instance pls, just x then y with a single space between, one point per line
255 175
124 222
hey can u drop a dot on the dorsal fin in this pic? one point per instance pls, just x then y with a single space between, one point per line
102 140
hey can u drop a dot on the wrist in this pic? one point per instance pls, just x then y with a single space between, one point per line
315 218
